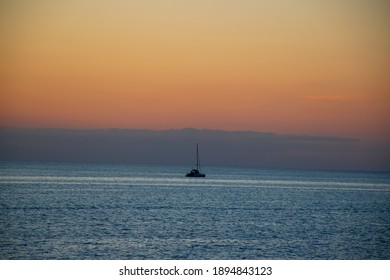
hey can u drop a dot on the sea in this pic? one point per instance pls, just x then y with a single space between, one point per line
68 211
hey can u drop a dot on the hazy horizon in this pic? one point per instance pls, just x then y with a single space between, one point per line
177 147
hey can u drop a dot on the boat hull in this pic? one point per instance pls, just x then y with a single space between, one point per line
197 175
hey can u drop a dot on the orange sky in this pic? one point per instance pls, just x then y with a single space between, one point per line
311 67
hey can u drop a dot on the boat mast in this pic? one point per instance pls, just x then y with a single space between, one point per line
197 158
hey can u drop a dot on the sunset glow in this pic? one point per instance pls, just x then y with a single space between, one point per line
307 67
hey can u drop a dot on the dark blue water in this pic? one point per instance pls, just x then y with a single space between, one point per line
91 211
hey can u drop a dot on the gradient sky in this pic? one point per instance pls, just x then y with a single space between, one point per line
301 67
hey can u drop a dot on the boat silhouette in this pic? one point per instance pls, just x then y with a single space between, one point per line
195 172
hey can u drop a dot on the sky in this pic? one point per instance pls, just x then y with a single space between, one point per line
289 67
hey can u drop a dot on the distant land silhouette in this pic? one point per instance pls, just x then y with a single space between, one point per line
176 147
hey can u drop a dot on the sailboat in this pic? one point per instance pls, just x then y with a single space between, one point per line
195 172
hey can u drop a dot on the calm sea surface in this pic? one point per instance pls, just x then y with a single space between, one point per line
92 211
